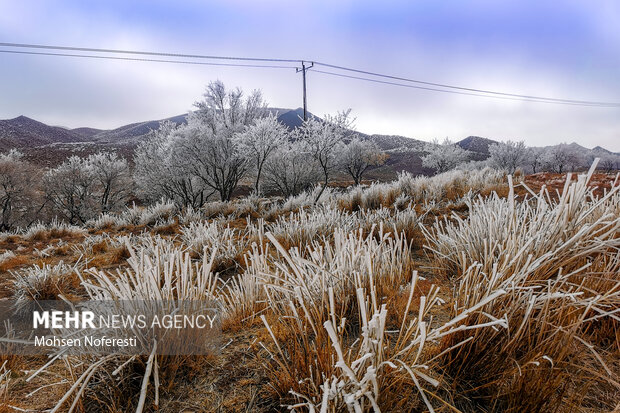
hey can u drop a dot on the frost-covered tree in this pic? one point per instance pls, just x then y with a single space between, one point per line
291 169
562 157
189 163
359 155
535 159
18 191
325 139
259 142
211 140
444 156
610 162
224 109
113 180
214 158
161 173
508 155
70 190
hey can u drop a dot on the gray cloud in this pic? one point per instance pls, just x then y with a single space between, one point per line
525 47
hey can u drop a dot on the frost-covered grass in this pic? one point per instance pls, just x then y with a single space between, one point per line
135 215
215 238
557 263
158 280
55 229
336 347
41 283
446 293
6 255
5 382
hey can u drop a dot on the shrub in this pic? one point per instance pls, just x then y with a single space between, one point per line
159 278
558 262
46 282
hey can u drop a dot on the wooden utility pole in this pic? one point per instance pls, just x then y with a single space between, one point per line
303 70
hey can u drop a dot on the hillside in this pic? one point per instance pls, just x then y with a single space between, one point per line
476 144
49 145
23 132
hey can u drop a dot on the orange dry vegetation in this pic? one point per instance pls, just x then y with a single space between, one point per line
244 376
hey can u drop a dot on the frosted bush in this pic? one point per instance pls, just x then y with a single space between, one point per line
6 256
332 369
215 238
107 221
301 227
44 282
558 263
41 231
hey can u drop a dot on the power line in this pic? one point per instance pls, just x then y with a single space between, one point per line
464 88
135 59
138 52
454 91
445 88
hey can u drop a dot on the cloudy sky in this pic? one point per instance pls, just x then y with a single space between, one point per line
568 49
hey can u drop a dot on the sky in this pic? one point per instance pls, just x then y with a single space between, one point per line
568 49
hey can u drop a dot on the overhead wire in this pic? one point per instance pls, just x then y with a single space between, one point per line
447 86
139 52
452 91
136 59
375 76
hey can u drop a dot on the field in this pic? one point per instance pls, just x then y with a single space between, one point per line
468 291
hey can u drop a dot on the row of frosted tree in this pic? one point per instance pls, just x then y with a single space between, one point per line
230 139
513 155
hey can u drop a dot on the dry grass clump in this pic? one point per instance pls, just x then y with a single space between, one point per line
334 346
169 226
250 206
135 215
45 282
404 221
449 185
301 228
7 255
304 200
104 250
375 196
407 189
159 279
5 382
106 221
55 229
337 261
10 263
243 296
228 244
558 261
340 254
150 215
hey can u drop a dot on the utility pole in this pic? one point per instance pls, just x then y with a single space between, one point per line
303 69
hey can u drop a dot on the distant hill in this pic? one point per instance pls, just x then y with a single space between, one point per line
476 144
601 150
49 145
131 134
86 133
23 132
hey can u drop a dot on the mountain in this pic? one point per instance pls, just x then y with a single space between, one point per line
476 144
130 134
86 133
23 132
397 143
49 145
602 150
